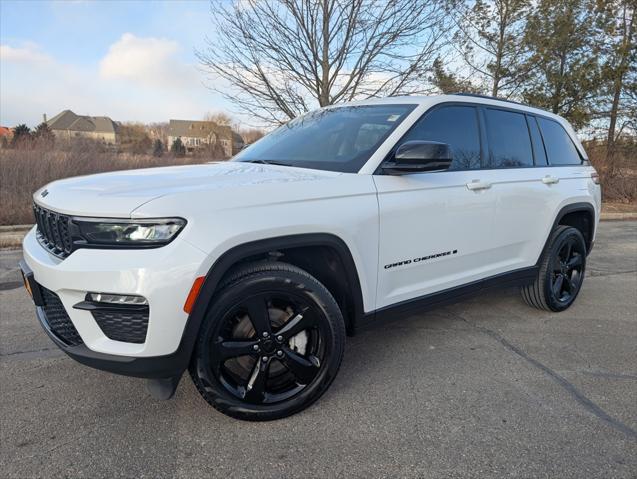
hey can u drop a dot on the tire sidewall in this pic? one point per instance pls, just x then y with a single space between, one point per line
281 281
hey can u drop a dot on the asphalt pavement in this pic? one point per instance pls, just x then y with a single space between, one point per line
485 388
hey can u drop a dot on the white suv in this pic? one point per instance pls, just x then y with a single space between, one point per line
249 273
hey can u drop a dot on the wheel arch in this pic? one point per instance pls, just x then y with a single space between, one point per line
274 248
578 215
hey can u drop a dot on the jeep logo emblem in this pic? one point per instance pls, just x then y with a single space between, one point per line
44 193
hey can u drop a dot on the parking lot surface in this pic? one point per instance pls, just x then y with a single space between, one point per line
484 388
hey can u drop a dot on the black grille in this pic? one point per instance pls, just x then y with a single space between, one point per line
127 325
53 231
58 320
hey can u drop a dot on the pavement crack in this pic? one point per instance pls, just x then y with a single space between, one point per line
605 274
560 380
34 354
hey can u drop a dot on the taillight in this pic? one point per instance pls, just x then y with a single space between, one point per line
595 177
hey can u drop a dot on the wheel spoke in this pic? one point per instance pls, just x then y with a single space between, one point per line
569 250
259 315
233 349
255 389
557 286
295 325
575 261
303 369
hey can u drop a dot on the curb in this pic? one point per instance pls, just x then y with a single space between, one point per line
618 216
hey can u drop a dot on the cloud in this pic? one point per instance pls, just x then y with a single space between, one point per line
29 53
149 62
138 79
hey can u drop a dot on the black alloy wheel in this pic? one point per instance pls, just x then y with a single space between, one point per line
561 271
271 344
568 270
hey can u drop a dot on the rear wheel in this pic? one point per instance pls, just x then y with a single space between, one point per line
271 343
561 272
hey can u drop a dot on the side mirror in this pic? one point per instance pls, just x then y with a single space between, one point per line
419 157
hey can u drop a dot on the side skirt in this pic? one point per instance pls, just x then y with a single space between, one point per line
518 277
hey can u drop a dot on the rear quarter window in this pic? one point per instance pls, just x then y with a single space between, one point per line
559 146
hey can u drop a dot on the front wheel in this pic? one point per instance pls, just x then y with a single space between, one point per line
561 272
271 343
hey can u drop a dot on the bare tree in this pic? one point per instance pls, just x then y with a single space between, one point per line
220 118
282 58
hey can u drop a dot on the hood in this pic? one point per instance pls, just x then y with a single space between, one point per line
118 193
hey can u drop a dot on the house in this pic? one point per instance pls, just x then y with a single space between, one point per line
67 125
5 136
198 134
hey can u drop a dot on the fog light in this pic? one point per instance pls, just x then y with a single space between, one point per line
126 299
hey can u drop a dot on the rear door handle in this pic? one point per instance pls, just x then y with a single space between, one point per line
550 180
478 185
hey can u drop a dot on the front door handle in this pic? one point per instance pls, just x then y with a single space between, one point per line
550 180
478 185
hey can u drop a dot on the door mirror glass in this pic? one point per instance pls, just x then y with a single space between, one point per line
419 157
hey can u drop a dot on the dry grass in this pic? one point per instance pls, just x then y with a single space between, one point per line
619 177
22 171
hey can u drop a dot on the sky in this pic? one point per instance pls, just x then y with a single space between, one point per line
132 60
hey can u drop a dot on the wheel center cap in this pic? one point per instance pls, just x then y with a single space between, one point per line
268 346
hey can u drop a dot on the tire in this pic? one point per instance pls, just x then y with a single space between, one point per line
565 258
270 345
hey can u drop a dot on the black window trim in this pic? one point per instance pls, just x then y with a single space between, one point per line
485 149
531 118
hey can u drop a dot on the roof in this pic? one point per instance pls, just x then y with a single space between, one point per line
5 131
67 120
197 129
456 97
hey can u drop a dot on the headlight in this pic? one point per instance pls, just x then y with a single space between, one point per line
129 233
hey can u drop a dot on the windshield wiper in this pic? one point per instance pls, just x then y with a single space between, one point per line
267 162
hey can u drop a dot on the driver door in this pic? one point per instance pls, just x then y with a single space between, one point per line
436 228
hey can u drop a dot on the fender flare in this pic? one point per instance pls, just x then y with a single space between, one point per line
227 260
570 208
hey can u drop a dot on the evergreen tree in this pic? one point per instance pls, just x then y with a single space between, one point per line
177 148
21 136
447 82
565 39
43 135
158 148
619 69
489 37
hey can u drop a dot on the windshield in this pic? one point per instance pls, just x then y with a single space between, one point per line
335 139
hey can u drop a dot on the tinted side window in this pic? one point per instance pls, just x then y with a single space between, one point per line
536 138
458 127
559 146
509 141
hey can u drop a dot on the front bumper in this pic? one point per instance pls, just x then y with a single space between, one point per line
163 276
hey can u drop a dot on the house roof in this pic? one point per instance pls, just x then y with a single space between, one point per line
197 129
67 120
4 131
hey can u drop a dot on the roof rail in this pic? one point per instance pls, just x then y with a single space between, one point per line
477 95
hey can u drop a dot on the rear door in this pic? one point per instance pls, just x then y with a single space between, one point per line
536 169
526 188
436 228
